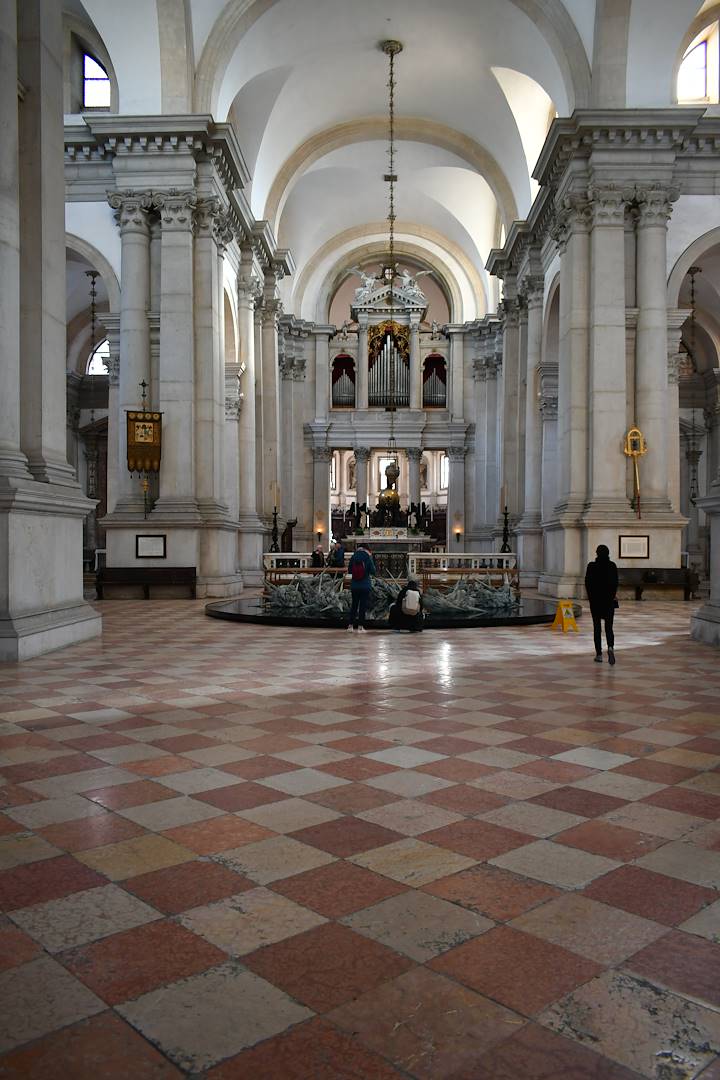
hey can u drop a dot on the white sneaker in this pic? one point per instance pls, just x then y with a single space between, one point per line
350 630
362 630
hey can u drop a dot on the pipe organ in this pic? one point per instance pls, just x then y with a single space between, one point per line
389 377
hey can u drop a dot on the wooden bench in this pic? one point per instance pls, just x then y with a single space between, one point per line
146 576
658 578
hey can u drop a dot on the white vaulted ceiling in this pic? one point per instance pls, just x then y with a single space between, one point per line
304 85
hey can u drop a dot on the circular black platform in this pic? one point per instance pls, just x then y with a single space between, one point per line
529 612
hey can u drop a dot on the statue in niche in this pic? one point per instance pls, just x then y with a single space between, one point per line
351 475
423 475
392 472
435 330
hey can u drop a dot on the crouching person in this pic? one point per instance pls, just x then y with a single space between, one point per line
407 611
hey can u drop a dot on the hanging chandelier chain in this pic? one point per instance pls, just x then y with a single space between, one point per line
93 275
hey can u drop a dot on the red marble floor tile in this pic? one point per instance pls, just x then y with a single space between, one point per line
102 741
258 768
535 744
192 884
347 836
653 896
631 747
180 744
516 969
528 727
558 772
703 745
314 1051
42 770
15 795
477 839
240 796
136 793
612 841
576 801
361 744
161 766
134 962
493 892
129 723
50 723
326 966
48 879
352 798
90 832
272 744
463 799
359 768
217 834
25 738
450 745
16 948
455 769
686 802
338 889
683 963
659 772
535 1053
8 826
101 1048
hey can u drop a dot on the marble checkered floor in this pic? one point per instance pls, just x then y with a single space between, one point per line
235 852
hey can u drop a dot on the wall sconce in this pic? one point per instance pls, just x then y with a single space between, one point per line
319 536
458 533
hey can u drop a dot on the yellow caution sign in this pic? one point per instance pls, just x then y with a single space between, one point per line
565 617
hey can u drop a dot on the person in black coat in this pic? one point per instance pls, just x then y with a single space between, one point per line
601 582
399 618
317 559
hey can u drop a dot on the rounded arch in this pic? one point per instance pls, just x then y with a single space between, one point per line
690 255
407 129
411 247
710 15
238 16
230 327
89 38
101 264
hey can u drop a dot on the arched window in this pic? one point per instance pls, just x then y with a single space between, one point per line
699 73
343 382
97 362
434 382
96 84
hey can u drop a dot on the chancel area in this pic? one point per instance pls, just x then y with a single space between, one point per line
321 316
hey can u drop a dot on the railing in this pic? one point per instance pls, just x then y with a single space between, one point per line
500 568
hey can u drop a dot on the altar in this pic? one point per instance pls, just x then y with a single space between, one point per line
390 548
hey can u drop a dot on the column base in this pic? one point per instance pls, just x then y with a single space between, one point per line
41 545
178 510
219 586
251 544
705 625
529 551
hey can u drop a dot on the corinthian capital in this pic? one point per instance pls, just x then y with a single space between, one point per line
655 203
414 453
271 311
456 453
113 367
322 453
532 288
573 215
608 204
362 453
131 209
176 209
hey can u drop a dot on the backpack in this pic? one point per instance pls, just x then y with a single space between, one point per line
411 602
358 569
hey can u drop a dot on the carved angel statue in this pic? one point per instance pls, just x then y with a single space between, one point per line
368 280
407 281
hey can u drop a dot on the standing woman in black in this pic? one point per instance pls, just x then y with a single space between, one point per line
601 582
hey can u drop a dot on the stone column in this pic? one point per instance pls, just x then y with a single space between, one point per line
233 411
456 499
322 375
415 364
114 461
41 187
259 462
321 493
414 456
361 371
548 403
651 381
457 355
12 460
493 434
705 625
574 245
292 371
271 433
675 320
362 457
528 530
131 215
209 374
251 528
177 499
607 351
480 373
510 388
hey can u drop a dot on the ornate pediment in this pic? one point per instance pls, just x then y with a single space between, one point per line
386 294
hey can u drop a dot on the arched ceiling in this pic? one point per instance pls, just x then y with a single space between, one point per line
304 85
